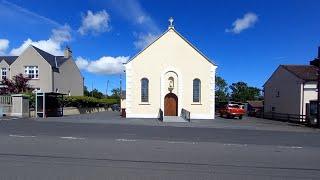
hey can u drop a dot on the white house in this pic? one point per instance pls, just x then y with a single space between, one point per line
290 88
170 75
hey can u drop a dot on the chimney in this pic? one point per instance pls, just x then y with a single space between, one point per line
67 52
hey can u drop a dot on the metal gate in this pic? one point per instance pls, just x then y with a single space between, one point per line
5 105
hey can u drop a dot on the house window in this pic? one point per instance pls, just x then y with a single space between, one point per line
144 90
273 109
31 72
196 90
4 73
278 94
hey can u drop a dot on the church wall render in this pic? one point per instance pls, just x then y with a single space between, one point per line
170 57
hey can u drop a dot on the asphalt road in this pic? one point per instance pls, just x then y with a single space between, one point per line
59 150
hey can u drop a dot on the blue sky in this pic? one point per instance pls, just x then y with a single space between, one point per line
103 34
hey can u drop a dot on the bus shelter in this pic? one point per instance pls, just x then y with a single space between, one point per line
49 104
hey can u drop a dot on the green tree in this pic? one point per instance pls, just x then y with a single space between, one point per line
115 93
241 92
85 91
221 90
97 94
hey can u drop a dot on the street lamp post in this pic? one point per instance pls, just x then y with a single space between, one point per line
316 62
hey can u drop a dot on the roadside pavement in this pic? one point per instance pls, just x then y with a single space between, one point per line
249 123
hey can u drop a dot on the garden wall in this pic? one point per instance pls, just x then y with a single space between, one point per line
74 110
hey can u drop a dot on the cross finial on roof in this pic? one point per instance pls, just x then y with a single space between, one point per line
171 22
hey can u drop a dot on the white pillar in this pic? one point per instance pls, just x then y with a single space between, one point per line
20 105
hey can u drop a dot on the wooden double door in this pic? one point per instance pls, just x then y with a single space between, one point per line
171 105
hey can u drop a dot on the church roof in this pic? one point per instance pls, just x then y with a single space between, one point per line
171 28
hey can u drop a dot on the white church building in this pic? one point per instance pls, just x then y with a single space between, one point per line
170 75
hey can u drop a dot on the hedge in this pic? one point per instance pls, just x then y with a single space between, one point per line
84 101
79 101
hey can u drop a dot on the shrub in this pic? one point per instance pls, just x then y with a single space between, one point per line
84 101
32 99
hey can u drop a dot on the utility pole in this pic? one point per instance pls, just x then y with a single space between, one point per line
92 89
107 88
316 62
120 87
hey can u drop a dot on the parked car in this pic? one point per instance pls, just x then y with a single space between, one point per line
115 107
255 112
232 111
255 108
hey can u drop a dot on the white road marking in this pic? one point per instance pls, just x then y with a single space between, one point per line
126 140
72 138
181 142
20 136
290 147
237 145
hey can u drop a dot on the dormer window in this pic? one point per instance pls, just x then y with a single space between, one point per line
31 72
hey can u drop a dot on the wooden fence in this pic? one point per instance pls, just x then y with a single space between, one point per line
295 118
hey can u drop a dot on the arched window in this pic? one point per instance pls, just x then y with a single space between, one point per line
144 90
196 90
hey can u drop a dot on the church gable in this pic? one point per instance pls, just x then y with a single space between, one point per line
169 76
171 43
191 46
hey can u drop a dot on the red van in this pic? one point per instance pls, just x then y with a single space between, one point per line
232 111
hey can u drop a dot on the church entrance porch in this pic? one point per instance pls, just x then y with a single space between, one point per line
170 105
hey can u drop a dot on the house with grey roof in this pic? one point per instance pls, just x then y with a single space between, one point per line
47 72
290 88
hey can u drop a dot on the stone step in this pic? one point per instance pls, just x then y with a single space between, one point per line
173 119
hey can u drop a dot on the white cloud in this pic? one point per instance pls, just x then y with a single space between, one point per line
82 63
136 14
95 23
62 34
53 45
143 19
4 44
247 21
104 65
144 39
133 11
